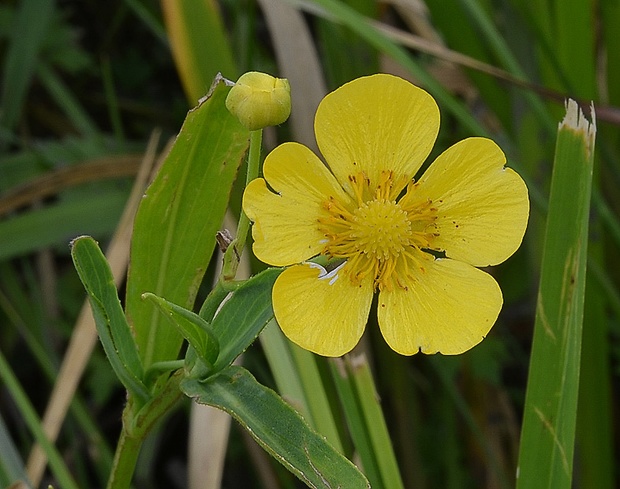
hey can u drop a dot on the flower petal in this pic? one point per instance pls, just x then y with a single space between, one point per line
285 223
321 312
376 123
483 206
449 307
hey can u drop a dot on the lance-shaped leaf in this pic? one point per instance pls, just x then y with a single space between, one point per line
175 226
192 327
112 326
243 316
277 427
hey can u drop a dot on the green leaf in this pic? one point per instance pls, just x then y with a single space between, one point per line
175 227
48 226
548 432
30 26
276 427
192 327
344 55
31 420
66 100
11 464
110 320
243 316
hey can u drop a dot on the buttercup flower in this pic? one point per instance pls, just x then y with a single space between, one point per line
414 243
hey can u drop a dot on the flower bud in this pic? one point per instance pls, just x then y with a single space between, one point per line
259 100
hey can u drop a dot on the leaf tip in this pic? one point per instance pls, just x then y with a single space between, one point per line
576 121
75 240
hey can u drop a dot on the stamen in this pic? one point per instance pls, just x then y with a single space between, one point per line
381 237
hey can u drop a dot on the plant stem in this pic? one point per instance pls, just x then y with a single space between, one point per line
234 251
125 459
136 425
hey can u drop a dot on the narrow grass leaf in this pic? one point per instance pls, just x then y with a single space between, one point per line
375 422
318 402
67 101
595 414
11 464
149 19
199 44
355 421
280 360
277 427
31 25
58 223
357 389
33 422
548 432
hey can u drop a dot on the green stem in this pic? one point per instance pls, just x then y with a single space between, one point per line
376 426
234 251
158 368
125 459
135 428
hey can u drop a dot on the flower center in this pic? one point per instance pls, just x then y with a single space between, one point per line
381 228
380 235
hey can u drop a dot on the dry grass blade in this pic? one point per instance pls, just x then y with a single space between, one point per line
55 181
434 48
84 335
208 439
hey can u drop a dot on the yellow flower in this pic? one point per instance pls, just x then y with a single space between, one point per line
415 243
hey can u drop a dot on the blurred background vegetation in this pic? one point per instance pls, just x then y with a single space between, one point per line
91 90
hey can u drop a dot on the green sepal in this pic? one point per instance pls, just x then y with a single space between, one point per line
111 323
192 327
277 427
243 316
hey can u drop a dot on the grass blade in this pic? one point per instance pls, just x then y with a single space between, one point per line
66 100
199 44
548 432
31 25
357 392
31 419
11 464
